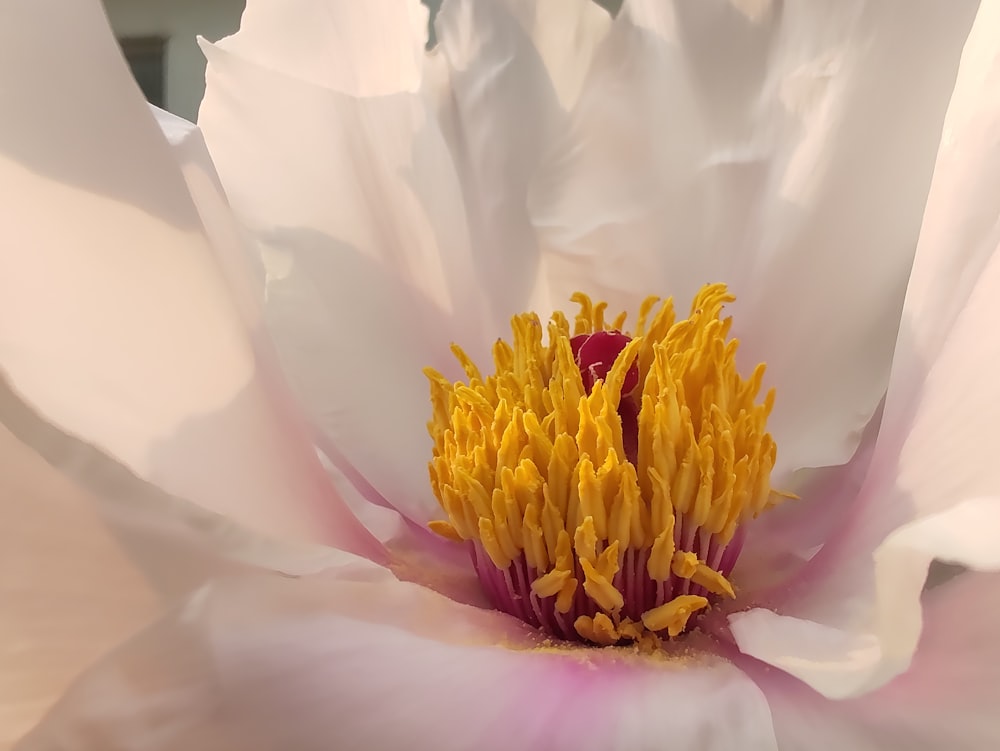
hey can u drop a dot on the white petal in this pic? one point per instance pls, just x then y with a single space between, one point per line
784 152
360 226
68 592
355 659
115 321
841 663
177 544
503 99
781 542
928 492
564 34
362 49
946 700
363 219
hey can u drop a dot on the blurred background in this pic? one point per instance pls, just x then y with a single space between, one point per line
159 40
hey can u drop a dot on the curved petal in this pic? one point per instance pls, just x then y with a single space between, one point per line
778 147
362 49
933 483
177 544
506 79
947 699
782 542
563 34
356 219
841 662
356 659
68 593
115 320
369 213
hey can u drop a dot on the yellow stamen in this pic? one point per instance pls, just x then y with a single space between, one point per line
530 467
673 616
600 629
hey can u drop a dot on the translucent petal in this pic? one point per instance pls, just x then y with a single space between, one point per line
68 591
778 147
376 221
360 293
115 320
841 662
356 659
361 49
947 699
933 483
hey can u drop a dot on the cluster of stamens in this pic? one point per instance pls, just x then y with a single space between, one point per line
603 481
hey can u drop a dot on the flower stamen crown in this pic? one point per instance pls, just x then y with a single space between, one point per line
604 501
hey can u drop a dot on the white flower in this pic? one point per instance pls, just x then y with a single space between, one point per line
397 201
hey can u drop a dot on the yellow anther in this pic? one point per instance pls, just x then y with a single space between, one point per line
445 529
585 541
564 551
587 435
600 589
661 555
687 566
488 537
552 528
673 616
713 581
592 504
684 564
607 562
599 629
551 584
535 551
564 600
630 630
537 468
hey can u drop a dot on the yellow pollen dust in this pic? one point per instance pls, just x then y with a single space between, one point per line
527 464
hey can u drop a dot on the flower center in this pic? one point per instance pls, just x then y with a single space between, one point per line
603 481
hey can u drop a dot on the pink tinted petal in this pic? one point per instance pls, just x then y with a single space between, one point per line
115 320
356 659
934 471
779 148
938 442
68 592
850 659
946 700
784 539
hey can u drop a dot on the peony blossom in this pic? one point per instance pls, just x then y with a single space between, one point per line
217 336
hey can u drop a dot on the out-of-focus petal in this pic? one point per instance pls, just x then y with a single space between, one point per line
507 81
115 320
562 35
383 190
783 151
362 49
933 483
946 700
784 539
841 662
68 592
244 274
177 544
359 221
355 659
